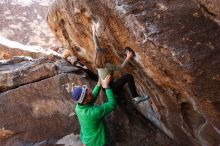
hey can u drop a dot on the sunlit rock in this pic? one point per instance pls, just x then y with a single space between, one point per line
9 53
22 70
177 63
211 8
24 21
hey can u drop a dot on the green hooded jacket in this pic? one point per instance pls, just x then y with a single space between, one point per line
93 130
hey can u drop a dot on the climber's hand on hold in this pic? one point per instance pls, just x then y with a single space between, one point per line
128 49
129 55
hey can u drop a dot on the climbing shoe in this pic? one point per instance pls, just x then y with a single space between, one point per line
139 99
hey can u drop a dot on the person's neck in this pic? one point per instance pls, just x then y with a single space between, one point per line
81 104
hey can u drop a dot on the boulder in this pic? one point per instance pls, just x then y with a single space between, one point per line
38 111
210 8
177 57
24 22
9 53
22 70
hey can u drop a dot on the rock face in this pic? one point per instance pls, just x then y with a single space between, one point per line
35 107
38 111
20 71
128 127
211 8
177 63
9 53
24 22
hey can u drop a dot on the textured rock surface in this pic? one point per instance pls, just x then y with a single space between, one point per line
9 53
24 22
177 63
38 111
130 128
20 71
211 8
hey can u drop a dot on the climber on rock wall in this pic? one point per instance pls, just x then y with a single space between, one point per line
93 130
106 67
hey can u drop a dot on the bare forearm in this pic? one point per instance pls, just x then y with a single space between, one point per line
95 40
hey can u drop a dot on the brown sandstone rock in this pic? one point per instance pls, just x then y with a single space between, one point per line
20 71
211 8
9 53
38 111
177 63
24 22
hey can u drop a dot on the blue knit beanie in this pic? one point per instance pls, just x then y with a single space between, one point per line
77 93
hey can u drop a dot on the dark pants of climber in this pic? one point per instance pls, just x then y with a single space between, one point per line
117 84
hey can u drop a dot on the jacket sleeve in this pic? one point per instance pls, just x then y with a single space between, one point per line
104 109
95 92
113 67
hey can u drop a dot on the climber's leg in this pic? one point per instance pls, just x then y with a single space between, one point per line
119 83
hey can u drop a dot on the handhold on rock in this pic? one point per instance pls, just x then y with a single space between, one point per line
130 50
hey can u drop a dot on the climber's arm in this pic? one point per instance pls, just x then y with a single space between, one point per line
95 39
96 90
122 66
